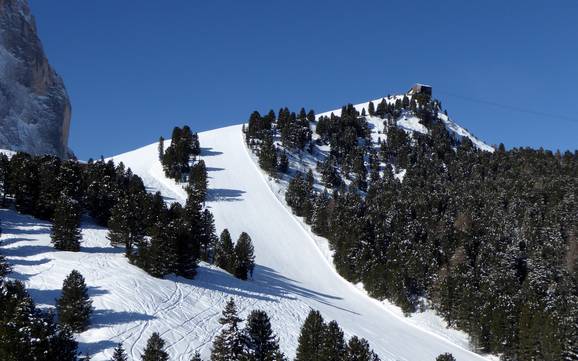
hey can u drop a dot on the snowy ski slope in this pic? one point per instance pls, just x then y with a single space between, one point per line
292 275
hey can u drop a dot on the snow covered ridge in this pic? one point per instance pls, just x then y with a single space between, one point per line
292 276
412 124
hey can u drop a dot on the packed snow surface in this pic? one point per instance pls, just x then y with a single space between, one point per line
292 274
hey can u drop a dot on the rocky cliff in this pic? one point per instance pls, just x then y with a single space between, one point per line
34 106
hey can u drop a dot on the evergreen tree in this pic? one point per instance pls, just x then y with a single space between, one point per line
225 252
283 165
244 257
198 179
445 357
26 333
262 345
359 350
127 222
333 343
161 148
371 109
119 353
196 356
65 233
311 339
229 344
268 155
208 236
154 350
74 306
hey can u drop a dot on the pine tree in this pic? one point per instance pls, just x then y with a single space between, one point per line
283 165
127 222
65 233
311 339
74 307
268 155
208 236
262 345
334 344
371 109
196 356
225 252
161 148
244 257
154 350
445 357
359 350
119 354
198 179
229 344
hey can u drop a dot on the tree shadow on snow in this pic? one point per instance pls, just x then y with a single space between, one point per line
267 285
105 318
91 348
208 152
226 195
48 297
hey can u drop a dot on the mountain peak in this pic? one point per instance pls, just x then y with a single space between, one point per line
34 107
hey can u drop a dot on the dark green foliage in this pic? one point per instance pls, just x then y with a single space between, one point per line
4 177
299 195
196 356
23 182
333 348
128 221
261 343
445 357
208 237
359 350
198 182
27 333
489 238
178 156
225 252
283 165
154 350
74 307
161 148
119 354
311 339
229 344
268 155
65 233
244 257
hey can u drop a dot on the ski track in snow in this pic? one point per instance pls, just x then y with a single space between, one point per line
292 276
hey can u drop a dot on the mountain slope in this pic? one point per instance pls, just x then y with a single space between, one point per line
291 276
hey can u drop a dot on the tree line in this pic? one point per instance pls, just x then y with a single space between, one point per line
489 239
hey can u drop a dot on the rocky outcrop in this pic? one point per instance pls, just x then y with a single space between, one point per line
34 106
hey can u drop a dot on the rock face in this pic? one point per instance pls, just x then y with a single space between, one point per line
34 106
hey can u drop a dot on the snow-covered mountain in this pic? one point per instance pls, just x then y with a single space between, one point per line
412 123
293 274
34 107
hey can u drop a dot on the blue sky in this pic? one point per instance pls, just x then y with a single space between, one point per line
506 70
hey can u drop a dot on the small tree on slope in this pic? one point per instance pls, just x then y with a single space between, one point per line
262 344
225 253
311 340
244 257
228 345
445 357
74 306
119 354
155 349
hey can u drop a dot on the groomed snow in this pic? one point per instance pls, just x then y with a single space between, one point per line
292 274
